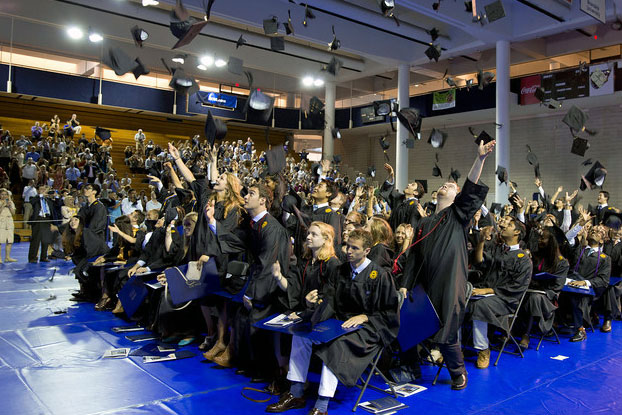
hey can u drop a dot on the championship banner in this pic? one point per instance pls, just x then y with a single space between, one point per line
444 100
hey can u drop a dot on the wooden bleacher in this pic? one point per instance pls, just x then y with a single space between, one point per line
19 114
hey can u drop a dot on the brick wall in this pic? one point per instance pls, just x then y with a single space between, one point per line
547 136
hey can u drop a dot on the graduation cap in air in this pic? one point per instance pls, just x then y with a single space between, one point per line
337 159
437 138
496 208
277 43
494 11
333 66
433 33
371 171
171 213
454 175
303 155
235 65
315 105
335 133
139 35
308 16
185 27
539 94
384 144
258 103
387 7
502 174
484 79
118 61
102 133
215 129
290 200
575 119
140 69
612 219
411 119
579 146
240 42
483 136
271 26
182 83
436 171
289 27
532 159
587 162
335 43
433 52
468 6
595 177
275 159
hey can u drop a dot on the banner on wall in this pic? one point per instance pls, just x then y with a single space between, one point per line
528 86
601 79
444 100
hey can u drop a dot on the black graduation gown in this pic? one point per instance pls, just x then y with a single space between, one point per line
544 305
404 212
398 264
95 218
324 214
307 276
508 273
382 255
372 293
439 262
92 246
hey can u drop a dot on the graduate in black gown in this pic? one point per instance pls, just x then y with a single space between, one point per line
403 239
94 214
382 240
541 301
405 207
362 294
439 260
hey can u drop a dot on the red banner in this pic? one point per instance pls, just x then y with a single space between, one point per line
528 88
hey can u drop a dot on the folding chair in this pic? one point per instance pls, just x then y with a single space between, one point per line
544 337
365 381
511 318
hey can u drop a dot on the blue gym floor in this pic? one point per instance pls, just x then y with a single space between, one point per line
51 363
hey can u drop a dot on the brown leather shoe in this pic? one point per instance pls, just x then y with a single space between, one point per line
224 358
483 359
524 341
214 351
287 402
118 309
606 327
316 411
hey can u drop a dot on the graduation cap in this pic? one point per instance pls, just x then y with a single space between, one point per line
587 162
308 15
261 103
215 129
139 35
575 119
275 159
140 69
171 213
454 175
384 144
579 146
484 79
182 83
496 208
433 33
303 155
558 234
437 138
436 171
118 61
235 65
411 119
502 174
371 171
337 158
451 82
277 43
271 26
494 11
483 136
433 52
240 42
335 43
335 133
612 219
289 27
333 66
436 5
184 27
387 7
102 133
594 177
539 94
531 157
468 5
290 200
315 105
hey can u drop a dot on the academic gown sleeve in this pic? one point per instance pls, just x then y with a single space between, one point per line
514 274
93 244
469 200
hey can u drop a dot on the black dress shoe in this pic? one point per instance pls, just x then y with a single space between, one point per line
579 336
287 402
459 382
316 411
606 327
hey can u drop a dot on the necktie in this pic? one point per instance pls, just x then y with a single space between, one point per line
44 207
314 207
354 274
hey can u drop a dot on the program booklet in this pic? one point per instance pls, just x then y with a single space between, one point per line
117 353
282 320
407 389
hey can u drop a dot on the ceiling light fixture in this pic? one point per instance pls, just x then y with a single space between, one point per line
150 3
206 60
75 33
95 37
307 81
179 59
220 63
318 82
202 67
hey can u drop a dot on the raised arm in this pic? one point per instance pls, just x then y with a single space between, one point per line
183 169
483 151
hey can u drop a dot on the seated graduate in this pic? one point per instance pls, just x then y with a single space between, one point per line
507 272
181 325
382 242
613 248
592 268
81 244
362 294
403 238
541 303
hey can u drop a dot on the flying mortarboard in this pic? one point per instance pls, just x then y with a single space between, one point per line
483 136
185 27
308 15
315 105
275 159
333 66
118 61
575 119
335 133
182 83
433 33
337 158
454 175
289 27
240 42
335 43
484 79
502 174
433 52
385 145
139 35
277 43
494 11
271 26
411 119
437 138
140 69
371 171
102 133
235 65
436 171
579 146
215 129
595 177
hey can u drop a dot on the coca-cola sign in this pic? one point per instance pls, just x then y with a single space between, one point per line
528 88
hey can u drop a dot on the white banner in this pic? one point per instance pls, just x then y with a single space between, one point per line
601 79
595 8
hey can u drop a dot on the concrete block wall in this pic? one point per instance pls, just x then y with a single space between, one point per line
545 133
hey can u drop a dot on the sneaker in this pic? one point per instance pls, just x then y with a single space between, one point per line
483 359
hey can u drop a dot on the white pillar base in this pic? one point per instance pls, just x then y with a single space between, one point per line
100 99
9 86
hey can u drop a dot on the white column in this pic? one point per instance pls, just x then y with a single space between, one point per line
401 152
329 118
502 154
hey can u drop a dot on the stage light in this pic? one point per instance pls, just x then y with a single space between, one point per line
75 33
220 63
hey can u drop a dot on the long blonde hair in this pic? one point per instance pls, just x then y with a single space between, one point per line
193 216
327 250
381 232
233 198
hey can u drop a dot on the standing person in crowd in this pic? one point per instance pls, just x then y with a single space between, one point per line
139 139
36 131
72 174
94 213
30 191
7 228
439 260
29 171
40 222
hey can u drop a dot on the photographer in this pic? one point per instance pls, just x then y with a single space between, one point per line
7 228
